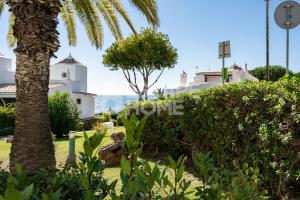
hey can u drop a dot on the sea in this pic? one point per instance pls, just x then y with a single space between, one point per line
116 103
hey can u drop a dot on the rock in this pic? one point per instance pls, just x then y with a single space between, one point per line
112 154
118 137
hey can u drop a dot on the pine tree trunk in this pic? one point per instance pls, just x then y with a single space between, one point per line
35 30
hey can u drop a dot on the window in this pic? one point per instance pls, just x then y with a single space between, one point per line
78 101
64 75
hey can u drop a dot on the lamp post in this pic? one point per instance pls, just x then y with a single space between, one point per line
72 156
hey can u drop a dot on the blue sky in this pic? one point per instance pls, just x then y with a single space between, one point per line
195 27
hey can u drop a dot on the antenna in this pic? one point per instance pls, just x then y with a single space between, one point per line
197 68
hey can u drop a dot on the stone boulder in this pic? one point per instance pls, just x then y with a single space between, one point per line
112 153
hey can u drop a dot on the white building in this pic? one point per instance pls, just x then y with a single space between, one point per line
67 75
205 80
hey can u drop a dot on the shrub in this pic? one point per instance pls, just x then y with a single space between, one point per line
249 122
7 119
140 180
105 117
86 125
63 114
3 178
120 116
98 127
276 73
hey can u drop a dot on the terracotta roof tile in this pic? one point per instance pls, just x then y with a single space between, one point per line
11 87
69 60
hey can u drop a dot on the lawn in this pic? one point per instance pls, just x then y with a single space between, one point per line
61 145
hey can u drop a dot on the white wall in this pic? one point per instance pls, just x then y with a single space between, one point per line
81 77
8 95
193 88
199 78
78 74
56 71
87 106
78 83
214 78
61 89
6 73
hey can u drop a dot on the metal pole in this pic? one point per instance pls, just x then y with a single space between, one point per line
287 50
288 24
223 63
223 67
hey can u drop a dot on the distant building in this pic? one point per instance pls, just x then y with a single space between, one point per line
68 75
204 80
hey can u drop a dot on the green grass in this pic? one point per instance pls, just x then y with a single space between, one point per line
4 150
61 145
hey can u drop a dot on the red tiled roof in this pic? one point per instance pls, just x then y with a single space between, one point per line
69 60
11 87
85 93
212 73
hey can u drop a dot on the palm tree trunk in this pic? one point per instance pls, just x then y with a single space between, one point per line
268 38
35 30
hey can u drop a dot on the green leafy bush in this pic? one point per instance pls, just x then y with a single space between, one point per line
249 122
139 179
276 73
120 116
3 179
105 117
63 114
7 119
86 125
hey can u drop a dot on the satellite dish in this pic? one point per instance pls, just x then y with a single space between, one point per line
287 15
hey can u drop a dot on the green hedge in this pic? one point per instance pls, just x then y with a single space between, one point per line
251 122
7 120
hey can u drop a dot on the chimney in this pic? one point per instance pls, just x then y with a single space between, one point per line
246 67
183 79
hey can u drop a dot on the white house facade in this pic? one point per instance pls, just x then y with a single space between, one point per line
68 75
205 80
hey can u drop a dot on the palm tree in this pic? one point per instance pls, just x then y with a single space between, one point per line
268 38
33 29
159 93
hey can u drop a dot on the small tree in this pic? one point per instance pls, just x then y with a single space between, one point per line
142 55
276 72
63 114
159 93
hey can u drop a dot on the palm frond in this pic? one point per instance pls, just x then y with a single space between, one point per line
90 18
149 9
12 40
2 4
107 11
121 10
89 13
68 18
